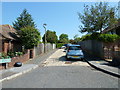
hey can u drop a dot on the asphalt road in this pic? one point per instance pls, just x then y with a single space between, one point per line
56 72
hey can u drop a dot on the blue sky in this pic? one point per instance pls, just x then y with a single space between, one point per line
59 16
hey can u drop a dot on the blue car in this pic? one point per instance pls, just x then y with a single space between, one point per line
74 52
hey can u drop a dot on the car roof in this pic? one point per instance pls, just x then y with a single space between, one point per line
74 45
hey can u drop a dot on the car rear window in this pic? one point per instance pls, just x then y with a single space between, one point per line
74 48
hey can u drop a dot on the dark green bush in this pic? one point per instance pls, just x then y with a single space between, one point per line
108 37
58 45
14 54
101 37
4 56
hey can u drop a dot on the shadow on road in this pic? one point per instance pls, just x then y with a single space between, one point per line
63 58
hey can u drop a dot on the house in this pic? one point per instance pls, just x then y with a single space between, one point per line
9 40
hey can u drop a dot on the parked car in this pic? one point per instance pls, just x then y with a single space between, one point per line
74 52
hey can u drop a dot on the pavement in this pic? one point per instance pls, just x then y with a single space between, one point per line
7 74
105 66
36 62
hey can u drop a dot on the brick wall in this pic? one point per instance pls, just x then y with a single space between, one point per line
22 58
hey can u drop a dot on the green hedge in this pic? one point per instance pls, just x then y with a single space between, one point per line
108 37
58 45
101 37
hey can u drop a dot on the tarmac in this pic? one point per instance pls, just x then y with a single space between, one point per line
100 65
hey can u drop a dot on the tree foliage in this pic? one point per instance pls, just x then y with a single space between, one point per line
51 37
101 37
29 37
63 38
25 19
97 17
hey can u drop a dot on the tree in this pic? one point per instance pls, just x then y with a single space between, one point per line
51 37
29 37
76 39
97 17
24 20
28 34
71 41
63 38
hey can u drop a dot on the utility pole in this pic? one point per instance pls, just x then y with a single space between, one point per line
45 38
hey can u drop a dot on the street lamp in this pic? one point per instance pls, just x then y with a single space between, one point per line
45 37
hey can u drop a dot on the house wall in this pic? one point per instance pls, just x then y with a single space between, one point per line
1 46
5 46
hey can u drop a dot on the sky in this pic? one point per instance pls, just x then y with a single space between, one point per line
60 17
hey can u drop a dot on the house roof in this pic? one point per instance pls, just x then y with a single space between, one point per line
7 32
111 28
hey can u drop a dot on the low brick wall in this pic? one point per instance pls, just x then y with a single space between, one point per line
22 58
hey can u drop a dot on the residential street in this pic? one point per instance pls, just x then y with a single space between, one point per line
57 72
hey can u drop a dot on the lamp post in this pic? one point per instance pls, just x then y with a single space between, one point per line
45 38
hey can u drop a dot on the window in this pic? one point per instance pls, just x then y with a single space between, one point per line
74 48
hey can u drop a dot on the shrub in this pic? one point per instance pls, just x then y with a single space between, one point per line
14 54
58 45
19 53
85 37
108 37
4 56
101 37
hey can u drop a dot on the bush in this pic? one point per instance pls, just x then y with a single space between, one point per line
92 36
101 37
14 54
85 37
18 53
58 45
108 37
4 56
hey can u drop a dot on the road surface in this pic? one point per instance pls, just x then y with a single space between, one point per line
57 72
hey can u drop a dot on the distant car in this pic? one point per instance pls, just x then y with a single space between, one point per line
67 45
74 52
63 47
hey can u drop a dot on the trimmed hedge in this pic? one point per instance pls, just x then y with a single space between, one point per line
101 37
